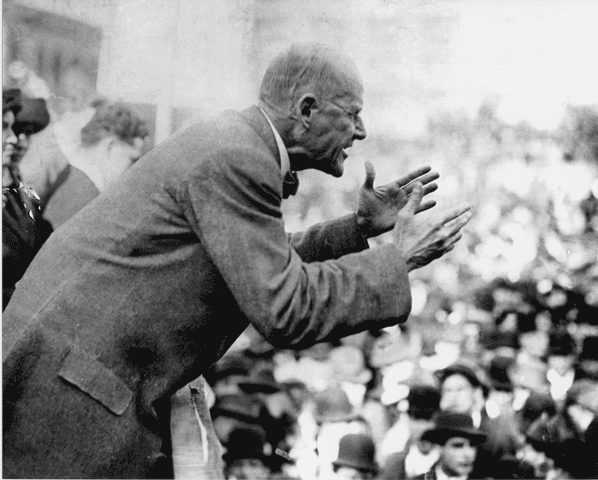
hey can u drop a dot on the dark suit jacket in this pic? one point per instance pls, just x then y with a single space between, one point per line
150 283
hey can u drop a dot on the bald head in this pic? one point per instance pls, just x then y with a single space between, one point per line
308 68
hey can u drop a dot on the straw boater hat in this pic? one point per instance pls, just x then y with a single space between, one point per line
450 425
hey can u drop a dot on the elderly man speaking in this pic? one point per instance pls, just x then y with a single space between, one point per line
148 285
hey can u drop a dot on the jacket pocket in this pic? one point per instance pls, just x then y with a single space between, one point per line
96 380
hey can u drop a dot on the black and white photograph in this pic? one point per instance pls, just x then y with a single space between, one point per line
300 239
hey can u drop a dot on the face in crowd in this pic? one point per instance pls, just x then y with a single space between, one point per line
458 395
349 473
248 469
9 145
457 456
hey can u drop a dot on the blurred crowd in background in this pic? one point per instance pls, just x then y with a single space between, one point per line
501 348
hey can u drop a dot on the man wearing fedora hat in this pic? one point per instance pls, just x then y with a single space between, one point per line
418 455
458 440
245 458
464 390
356 458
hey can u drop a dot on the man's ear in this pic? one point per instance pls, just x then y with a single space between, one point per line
306 106
108 142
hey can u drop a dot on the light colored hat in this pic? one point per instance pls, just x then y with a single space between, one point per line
348 365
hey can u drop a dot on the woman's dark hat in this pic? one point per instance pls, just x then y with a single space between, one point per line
11 100
33 117
260 380
449 424
244 443
358 451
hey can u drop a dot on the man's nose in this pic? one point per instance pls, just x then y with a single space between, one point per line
360 132
11 137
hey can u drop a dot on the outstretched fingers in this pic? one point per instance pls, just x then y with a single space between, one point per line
456 215
427 205
423 179
413 175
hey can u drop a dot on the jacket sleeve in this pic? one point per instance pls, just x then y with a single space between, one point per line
329 240
233 204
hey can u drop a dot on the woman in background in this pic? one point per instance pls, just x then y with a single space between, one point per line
23 228
109 144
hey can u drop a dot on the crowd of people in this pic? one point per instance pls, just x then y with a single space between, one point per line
519 400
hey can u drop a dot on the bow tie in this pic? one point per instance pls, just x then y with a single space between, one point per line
290 184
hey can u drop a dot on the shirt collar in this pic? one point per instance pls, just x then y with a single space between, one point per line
285 162
440 475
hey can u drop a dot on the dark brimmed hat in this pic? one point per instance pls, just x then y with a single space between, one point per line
542 435
561 344
450 425
244 443
499 373
242 407
423 401
589 348
464 370
33 117
536 406
333 405
260 380
496 339
526 322
228 367
357 450
11 100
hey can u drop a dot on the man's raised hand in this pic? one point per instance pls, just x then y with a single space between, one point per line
378 206
422 240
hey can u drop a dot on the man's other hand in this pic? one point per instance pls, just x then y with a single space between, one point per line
378 207
422 240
